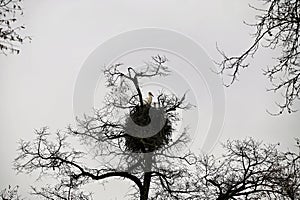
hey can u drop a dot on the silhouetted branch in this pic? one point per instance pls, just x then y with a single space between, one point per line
10 36
120 77
277 28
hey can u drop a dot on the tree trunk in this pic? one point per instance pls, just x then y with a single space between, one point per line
144 193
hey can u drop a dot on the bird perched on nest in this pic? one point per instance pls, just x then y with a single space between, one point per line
148 100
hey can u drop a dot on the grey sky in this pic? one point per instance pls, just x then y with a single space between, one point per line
36 87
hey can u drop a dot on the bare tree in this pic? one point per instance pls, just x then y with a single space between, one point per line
10 36
277 27
288 177
113 144
108 135
247 170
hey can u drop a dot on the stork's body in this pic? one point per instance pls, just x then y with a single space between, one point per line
148 100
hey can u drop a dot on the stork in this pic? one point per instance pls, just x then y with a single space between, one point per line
148 100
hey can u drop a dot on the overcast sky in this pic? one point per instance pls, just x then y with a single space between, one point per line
37 86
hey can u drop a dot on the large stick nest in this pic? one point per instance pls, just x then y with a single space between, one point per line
147 129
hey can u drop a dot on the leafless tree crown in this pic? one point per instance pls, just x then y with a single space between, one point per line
104 133
277 27
247 170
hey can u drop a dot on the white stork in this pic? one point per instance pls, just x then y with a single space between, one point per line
148 100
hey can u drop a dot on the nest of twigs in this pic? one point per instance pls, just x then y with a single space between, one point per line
147 129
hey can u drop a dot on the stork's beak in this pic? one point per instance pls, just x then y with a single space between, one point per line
151 94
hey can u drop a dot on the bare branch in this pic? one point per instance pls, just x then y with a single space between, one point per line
10 36
277 28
